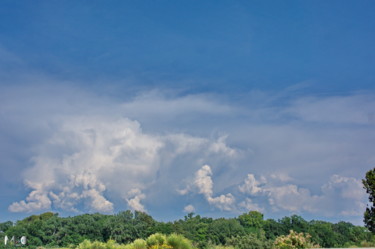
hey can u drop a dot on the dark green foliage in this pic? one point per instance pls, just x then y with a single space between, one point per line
369 185
5 226
194 228
250 241
273 229
252 221
222 229
126 226
322 233
295 223
248 230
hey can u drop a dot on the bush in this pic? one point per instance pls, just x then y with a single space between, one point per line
156 239
294 241
212 246
177 241
111 244
139 244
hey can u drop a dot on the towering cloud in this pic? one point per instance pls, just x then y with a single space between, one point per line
88 156
204 185
135 198
86 153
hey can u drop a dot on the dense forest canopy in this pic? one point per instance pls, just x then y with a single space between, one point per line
48 229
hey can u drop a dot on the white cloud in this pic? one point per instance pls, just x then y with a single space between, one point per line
135 196
343 195
223 202
291 198
97 201
203 181
189 209
87 156
204 185
220 147
83 187
249 205
251 185
183 191
345 187
37 200
88 151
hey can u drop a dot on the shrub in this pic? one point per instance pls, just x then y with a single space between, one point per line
139 244
177 241
294 241
156 239
111 244
212 246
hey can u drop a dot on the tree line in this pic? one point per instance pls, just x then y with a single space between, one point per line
50 230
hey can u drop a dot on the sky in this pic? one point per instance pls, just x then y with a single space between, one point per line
171 107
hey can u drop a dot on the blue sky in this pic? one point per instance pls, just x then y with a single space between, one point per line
216 107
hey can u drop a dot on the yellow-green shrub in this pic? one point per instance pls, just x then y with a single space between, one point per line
139 244
177 241
156 239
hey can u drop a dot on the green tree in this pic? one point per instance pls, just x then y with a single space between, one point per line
369 185
5 226
273 229
195 228
251 221
322 233
221 229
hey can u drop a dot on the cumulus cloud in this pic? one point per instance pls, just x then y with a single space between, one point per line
291 198
223 202
346 187
90 155
37 200
135 196
343 195
83 187
220 147
97 201
203 181
86 154
250 186
249 205
204 185
86 151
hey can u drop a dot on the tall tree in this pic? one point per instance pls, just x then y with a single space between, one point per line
369 185
252 221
